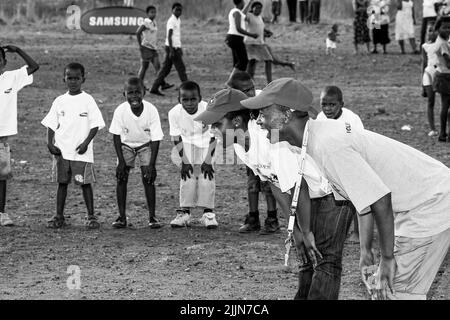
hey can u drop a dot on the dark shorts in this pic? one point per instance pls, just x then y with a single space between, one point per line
82 172
148 54
276 8
255 185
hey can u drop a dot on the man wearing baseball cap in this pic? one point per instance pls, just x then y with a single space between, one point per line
405 190
231 120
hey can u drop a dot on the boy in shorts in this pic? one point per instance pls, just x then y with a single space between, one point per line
73 122
196 148
10 84
146 37
137 133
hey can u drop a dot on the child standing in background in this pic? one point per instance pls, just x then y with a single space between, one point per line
380 31
73 122
196 148
332 39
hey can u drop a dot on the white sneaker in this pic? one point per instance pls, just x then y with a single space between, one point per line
433 133
209 220
182 219
5 220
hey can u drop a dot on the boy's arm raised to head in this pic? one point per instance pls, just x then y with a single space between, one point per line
139 34
32 65
247 7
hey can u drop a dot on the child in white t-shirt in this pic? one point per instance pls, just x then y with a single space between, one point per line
137 134
73 121
332 39
195 146
332 103
11 82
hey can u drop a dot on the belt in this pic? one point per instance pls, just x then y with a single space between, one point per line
137 148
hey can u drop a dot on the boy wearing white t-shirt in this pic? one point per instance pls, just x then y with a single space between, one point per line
137 134
332 103
195 146
10 84
73 121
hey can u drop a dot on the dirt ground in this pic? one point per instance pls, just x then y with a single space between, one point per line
193 263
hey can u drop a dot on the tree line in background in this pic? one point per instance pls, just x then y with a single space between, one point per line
52 10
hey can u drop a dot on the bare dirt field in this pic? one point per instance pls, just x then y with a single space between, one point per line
193 263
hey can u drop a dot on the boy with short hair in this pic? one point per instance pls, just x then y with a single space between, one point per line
146 37
196 147
174 53
73 121
332 103
137 134
243 82
11 82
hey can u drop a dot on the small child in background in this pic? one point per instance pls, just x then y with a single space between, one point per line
73 122
429 53
332 39
137 132
380 25
196 148
276 10
11 82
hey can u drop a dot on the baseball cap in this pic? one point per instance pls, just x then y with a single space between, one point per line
287 92
224 101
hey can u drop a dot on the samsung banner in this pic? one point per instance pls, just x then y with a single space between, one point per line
112 20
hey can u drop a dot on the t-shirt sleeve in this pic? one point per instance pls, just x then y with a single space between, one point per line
22 78
357 122
95 115
285 167
170 24
174 128
352 173
51 119
116 123
155 126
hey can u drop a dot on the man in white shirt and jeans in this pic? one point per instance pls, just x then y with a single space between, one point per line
11 82
174 53
405 190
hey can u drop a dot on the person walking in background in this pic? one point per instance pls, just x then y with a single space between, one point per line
236 33
174 53
404 25
361 30
292 7
304 11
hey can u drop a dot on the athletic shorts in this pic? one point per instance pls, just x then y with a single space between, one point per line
255 185
148 54
82 172
5 161
143 156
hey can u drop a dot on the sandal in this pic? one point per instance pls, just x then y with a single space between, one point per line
56 223
92 223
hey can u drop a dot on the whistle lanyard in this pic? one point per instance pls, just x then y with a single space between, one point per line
294 203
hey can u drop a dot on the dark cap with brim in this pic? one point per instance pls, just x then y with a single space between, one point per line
224 101
287 92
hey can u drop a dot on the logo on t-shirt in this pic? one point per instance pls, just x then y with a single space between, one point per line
83 114
8 90
348 127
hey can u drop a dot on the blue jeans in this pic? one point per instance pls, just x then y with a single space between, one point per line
330 222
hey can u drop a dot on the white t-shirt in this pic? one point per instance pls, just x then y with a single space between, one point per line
428 8
286 162
364 166
232 23
72 117
10 84
258 156
346 116
192 132
149 34
174 23
135 131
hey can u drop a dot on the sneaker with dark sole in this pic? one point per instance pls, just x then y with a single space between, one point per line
154 224
251 224
271 225
120 223
157 92
56 222
92 223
